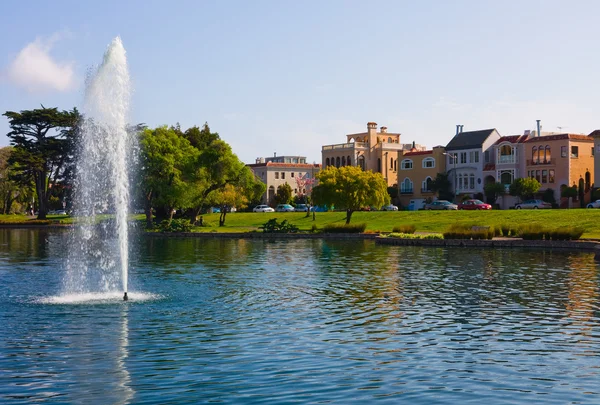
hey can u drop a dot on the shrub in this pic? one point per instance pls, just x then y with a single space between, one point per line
343 228
29 222
404 229
532 232
401 235
314 228
464 231
272 226
175 225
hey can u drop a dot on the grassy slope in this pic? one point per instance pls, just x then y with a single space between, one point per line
425 221
384 221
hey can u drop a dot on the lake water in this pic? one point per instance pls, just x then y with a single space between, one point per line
304 321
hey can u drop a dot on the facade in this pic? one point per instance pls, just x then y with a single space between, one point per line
562 160
467 154
417 171
279 170
372 150
596 137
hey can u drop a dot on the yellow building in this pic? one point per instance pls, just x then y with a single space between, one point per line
372 150
417 170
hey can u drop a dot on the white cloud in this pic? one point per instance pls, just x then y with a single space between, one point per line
36 70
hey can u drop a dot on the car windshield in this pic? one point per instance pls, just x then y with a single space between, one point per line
478 202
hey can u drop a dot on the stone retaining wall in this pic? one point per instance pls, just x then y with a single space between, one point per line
492 243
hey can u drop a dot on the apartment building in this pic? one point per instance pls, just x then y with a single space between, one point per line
418 169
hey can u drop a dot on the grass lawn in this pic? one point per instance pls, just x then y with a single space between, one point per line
425 221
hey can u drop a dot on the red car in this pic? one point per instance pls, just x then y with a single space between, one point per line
474 205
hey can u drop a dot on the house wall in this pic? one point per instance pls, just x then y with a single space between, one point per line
276 174
418 174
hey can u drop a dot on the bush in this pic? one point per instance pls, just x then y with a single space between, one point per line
343 228
272 226
29 222
175 225
464 231
536 232
404 229
401 235
314 228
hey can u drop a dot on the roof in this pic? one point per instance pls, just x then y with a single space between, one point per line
469 140
512 139
489 167
418 152
595 133
575 137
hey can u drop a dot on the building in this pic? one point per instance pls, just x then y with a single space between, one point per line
561 160
466 156
372 150
596 137
418 169
277 170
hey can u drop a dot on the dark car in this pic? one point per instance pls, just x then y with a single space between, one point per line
474 205
441 205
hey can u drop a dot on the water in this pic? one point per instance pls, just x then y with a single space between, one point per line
303 321
98 260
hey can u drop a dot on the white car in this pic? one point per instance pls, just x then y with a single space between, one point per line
594 204
389 207
263 208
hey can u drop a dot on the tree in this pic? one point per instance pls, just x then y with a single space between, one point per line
524 188
442 186
305 185
493 191
43 141
283 195
581 193
569 193
350 188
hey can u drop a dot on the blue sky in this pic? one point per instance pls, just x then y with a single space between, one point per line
287 77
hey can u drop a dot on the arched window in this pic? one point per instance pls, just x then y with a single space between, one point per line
348 161
361 162
506 177
396 165
389 140
460 182
427 184
326 162
406 186
392 163
540 154
428 163
337 161
406 164
343 160
548 155
534 155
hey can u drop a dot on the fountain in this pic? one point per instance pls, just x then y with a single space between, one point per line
98 252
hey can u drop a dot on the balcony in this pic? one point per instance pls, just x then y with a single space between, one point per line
406 191
341 146
506 159
541 162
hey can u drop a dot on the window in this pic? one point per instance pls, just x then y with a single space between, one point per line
392 163
547 154
406 186
592 151
343 161
474 157
428 163
472 182
574 151
460 181
276 175
540 157
389 140
292 174
506 177
534 155
283 175
544 176
463 157
295 191
348 160
537 176
326 162
487 156
551 176
426 184
406 164
563 151
379 165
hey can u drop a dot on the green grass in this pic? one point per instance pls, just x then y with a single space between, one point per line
425 221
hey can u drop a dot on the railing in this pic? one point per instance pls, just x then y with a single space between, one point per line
350 145
503 159
406 191
541 162
426 190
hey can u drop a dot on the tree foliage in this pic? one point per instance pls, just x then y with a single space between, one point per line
350 188
524 188
442 186
283 195
493 191
43 141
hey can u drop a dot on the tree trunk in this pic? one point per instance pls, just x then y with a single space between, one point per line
222 217
348 216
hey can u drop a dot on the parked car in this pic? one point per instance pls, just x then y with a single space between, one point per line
441 205
474 205
301 208
215 210
533 204
284 208
594 204
263 208
389 207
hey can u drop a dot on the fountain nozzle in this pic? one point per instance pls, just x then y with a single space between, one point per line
125 298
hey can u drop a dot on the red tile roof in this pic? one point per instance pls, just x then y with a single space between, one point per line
559 137
512 139
489 167
278 164
418 152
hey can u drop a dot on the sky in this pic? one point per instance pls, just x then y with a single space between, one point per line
287 77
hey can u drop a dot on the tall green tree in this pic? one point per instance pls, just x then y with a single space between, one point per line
43 141
442 186
10 191
493 191
283 195
350 188
524 188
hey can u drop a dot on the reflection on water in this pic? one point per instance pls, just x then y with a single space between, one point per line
304 321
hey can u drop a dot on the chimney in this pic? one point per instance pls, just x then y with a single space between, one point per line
539 128
383 130
274 154
457 129
461 128
371 125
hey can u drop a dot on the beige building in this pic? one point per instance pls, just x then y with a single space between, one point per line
417 171
561 160
277 170
372 150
